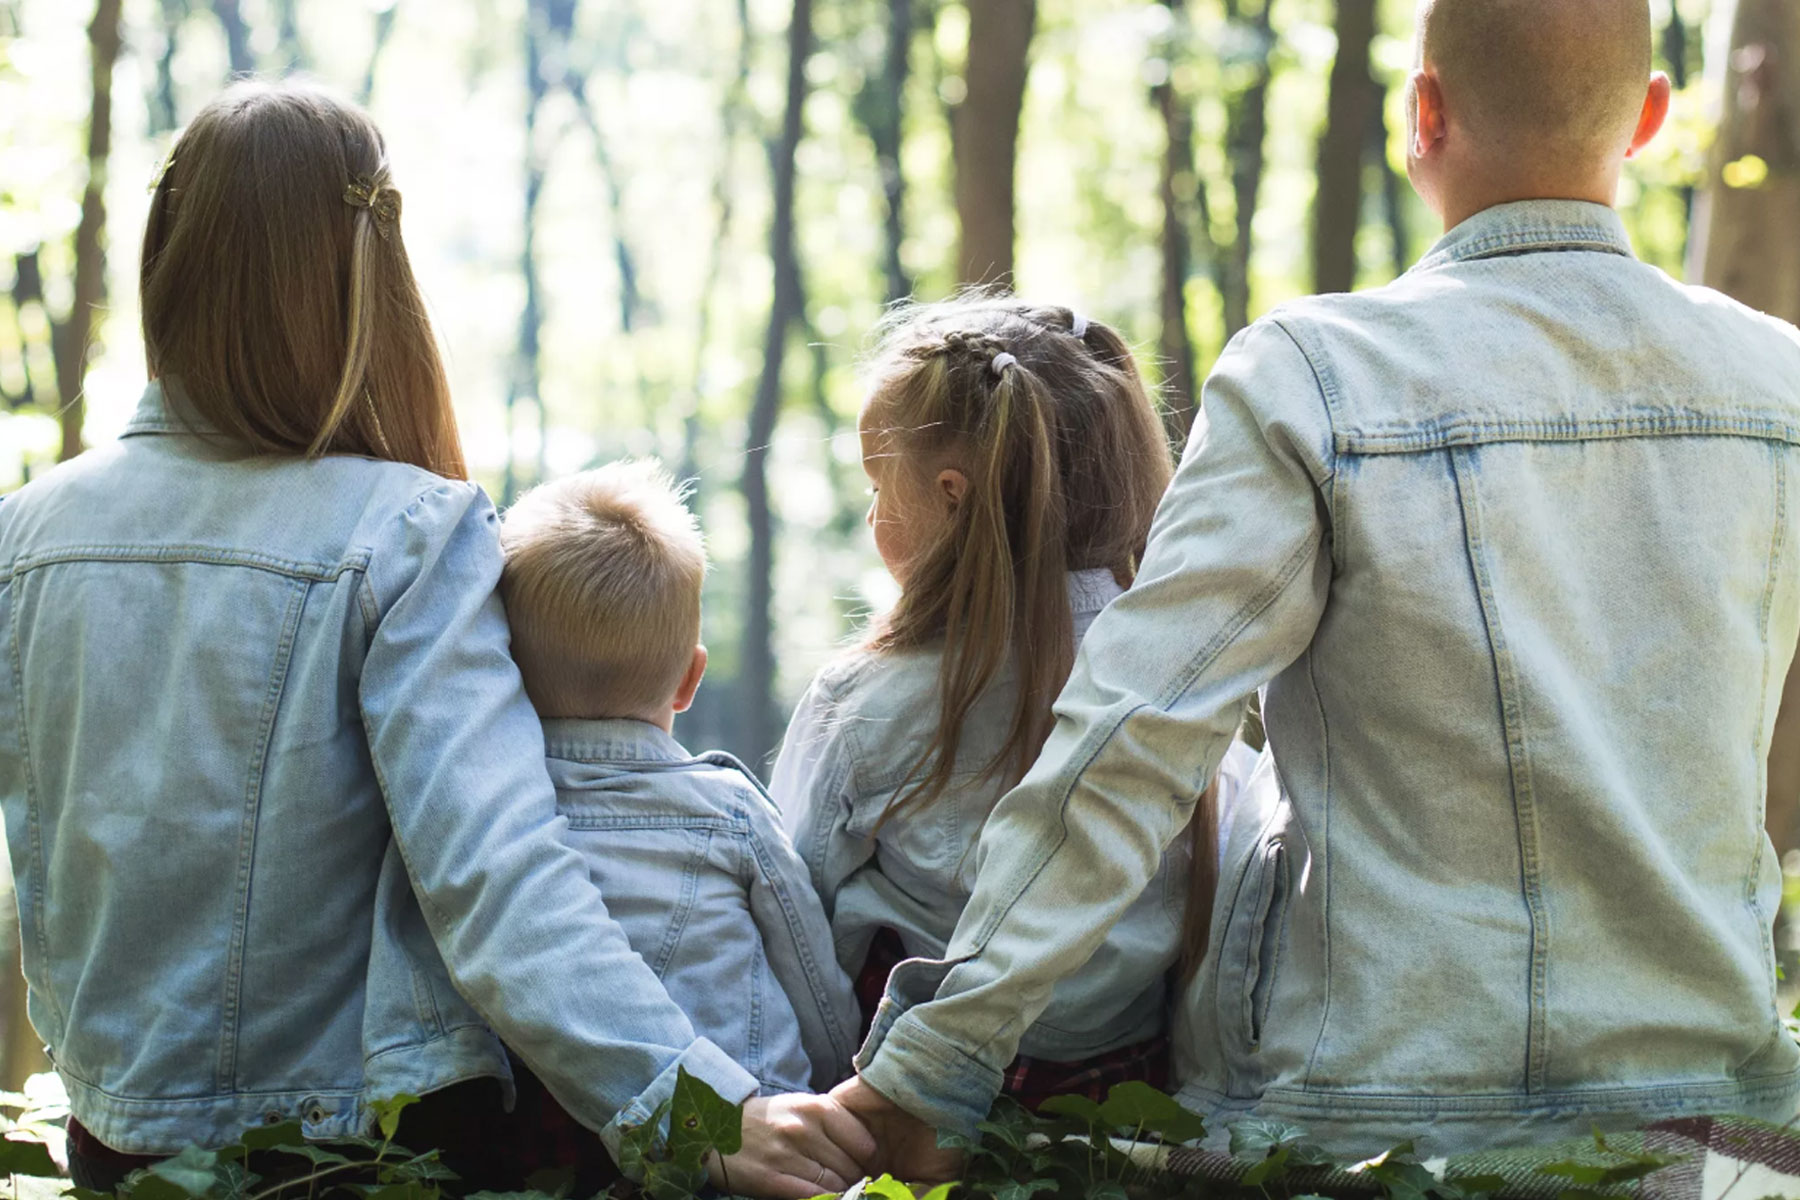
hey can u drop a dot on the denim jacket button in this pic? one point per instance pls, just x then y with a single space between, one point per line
272 1117
315 1111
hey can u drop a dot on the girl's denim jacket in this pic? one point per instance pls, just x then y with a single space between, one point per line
1517 541
850 747
690 855
277 807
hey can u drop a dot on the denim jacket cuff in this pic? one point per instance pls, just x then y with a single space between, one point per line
705 1062
927 1076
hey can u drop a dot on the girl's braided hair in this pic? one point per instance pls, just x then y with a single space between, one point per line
1047 416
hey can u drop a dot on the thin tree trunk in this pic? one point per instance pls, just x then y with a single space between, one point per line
384 29
163 117
237 37
526 383
1394 192
985 146
72 337
730 118
293 50
757 678
883 109
1178 187
1337 205
1246 128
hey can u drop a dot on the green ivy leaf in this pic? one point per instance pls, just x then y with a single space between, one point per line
1007 1135
672 1181
1259 1137
1107 1189
142 1185
387 1112
1477 1186
554 1182
191 1171
1268 1169
1080 1107
638 1143
81 1193
27 1158
1136 1105
940 1192
701 1120
267 1137
424 1166
314 1153
1012 1190
1401 1153
888 1188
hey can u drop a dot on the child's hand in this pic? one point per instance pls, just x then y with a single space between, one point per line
796 1146
909 1147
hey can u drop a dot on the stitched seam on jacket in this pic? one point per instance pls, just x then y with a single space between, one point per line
1777 543
840 1037
234 961
40 870
200 555
1469 431
1518 761
1324 858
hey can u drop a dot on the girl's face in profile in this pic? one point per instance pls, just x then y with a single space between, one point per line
908 509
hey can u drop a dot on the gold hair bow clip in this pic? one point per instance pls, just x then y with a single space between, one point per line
383 202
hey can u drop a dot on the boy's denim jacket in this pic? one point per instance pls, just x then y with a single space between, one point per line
277 806
850 748
690 855
1517 540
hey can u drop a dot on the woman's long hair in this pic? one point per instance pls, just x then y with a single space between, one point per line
1066 462
276 289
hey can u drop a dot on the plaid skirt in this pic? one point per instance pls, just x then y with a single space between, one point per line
1030 1081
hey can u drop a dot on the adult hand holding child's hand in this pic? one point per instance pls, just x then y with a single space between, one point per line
796 1146
909 1147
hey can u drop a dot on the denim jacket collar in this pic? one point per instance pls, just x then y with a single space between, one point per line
155 414
611 741
1529 227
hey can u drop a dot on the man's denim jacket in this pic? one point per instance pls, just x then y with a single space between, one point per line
690 855
277 806
1517 540
850 750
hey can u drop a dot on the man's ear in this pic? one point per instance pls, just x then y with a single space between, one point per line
953 485
1427 96
1655 112
690 683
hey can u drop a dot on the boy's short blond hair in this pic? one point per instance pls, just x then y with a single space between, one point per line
602 588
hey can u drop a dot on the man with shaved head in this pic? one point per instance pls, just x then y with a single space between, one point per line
1514 545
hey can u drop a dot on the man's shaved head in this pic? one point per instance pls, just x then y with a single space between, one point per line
1547 77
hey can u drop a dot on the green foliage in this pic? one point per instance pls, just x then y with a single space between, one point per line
1605 1180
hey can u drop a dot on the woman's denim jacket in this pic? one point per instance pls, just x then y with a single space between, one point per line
849 750
1517 540
691 857
277 805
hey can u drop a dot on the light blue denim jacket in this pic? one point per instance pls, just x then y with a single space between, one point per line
850 748
1517 540
277 806
690 855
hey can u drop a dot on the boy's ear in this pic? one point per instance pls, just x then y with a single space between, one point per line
953 485
1426 96
1655 112
690 683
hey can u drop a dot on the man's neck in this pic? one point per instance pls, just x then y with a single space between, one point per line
1465 200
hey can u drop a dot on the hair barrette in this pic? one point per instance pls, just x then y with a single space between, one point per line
382 201
1002 361
1078 326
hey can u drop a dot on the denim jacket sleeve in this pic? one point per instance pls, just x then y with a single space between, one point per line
797 939
1232 588
813 786
460 756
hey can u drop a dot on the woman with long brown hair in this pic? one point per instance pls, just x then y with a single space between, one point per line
276 800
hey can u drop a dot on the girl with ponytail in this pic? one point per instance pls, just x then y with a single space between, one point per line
1016 461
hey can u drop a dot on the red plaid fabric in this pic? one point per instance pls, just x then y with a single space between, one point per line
1030 1081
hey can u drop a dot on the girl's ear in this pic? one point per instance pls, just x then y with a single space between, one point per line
953 485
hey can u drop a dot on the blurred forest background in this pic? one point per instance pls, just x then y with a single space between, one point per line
665 226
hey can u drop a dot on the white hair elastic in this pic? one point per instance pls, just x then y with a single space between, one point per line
1002 361
1078 325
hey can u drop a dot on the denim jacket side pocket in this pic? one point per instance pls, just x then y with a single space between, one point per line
1249 956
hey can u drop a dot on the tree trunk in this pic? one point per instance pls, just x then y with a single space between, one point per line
1246 127
986 139
1337 205
384 29
525 383
237 37
163 117
1747 243
1178 188
882 107
72 337
756 679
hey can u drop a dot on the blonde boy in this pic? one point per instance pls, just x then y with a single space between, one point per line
602 588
